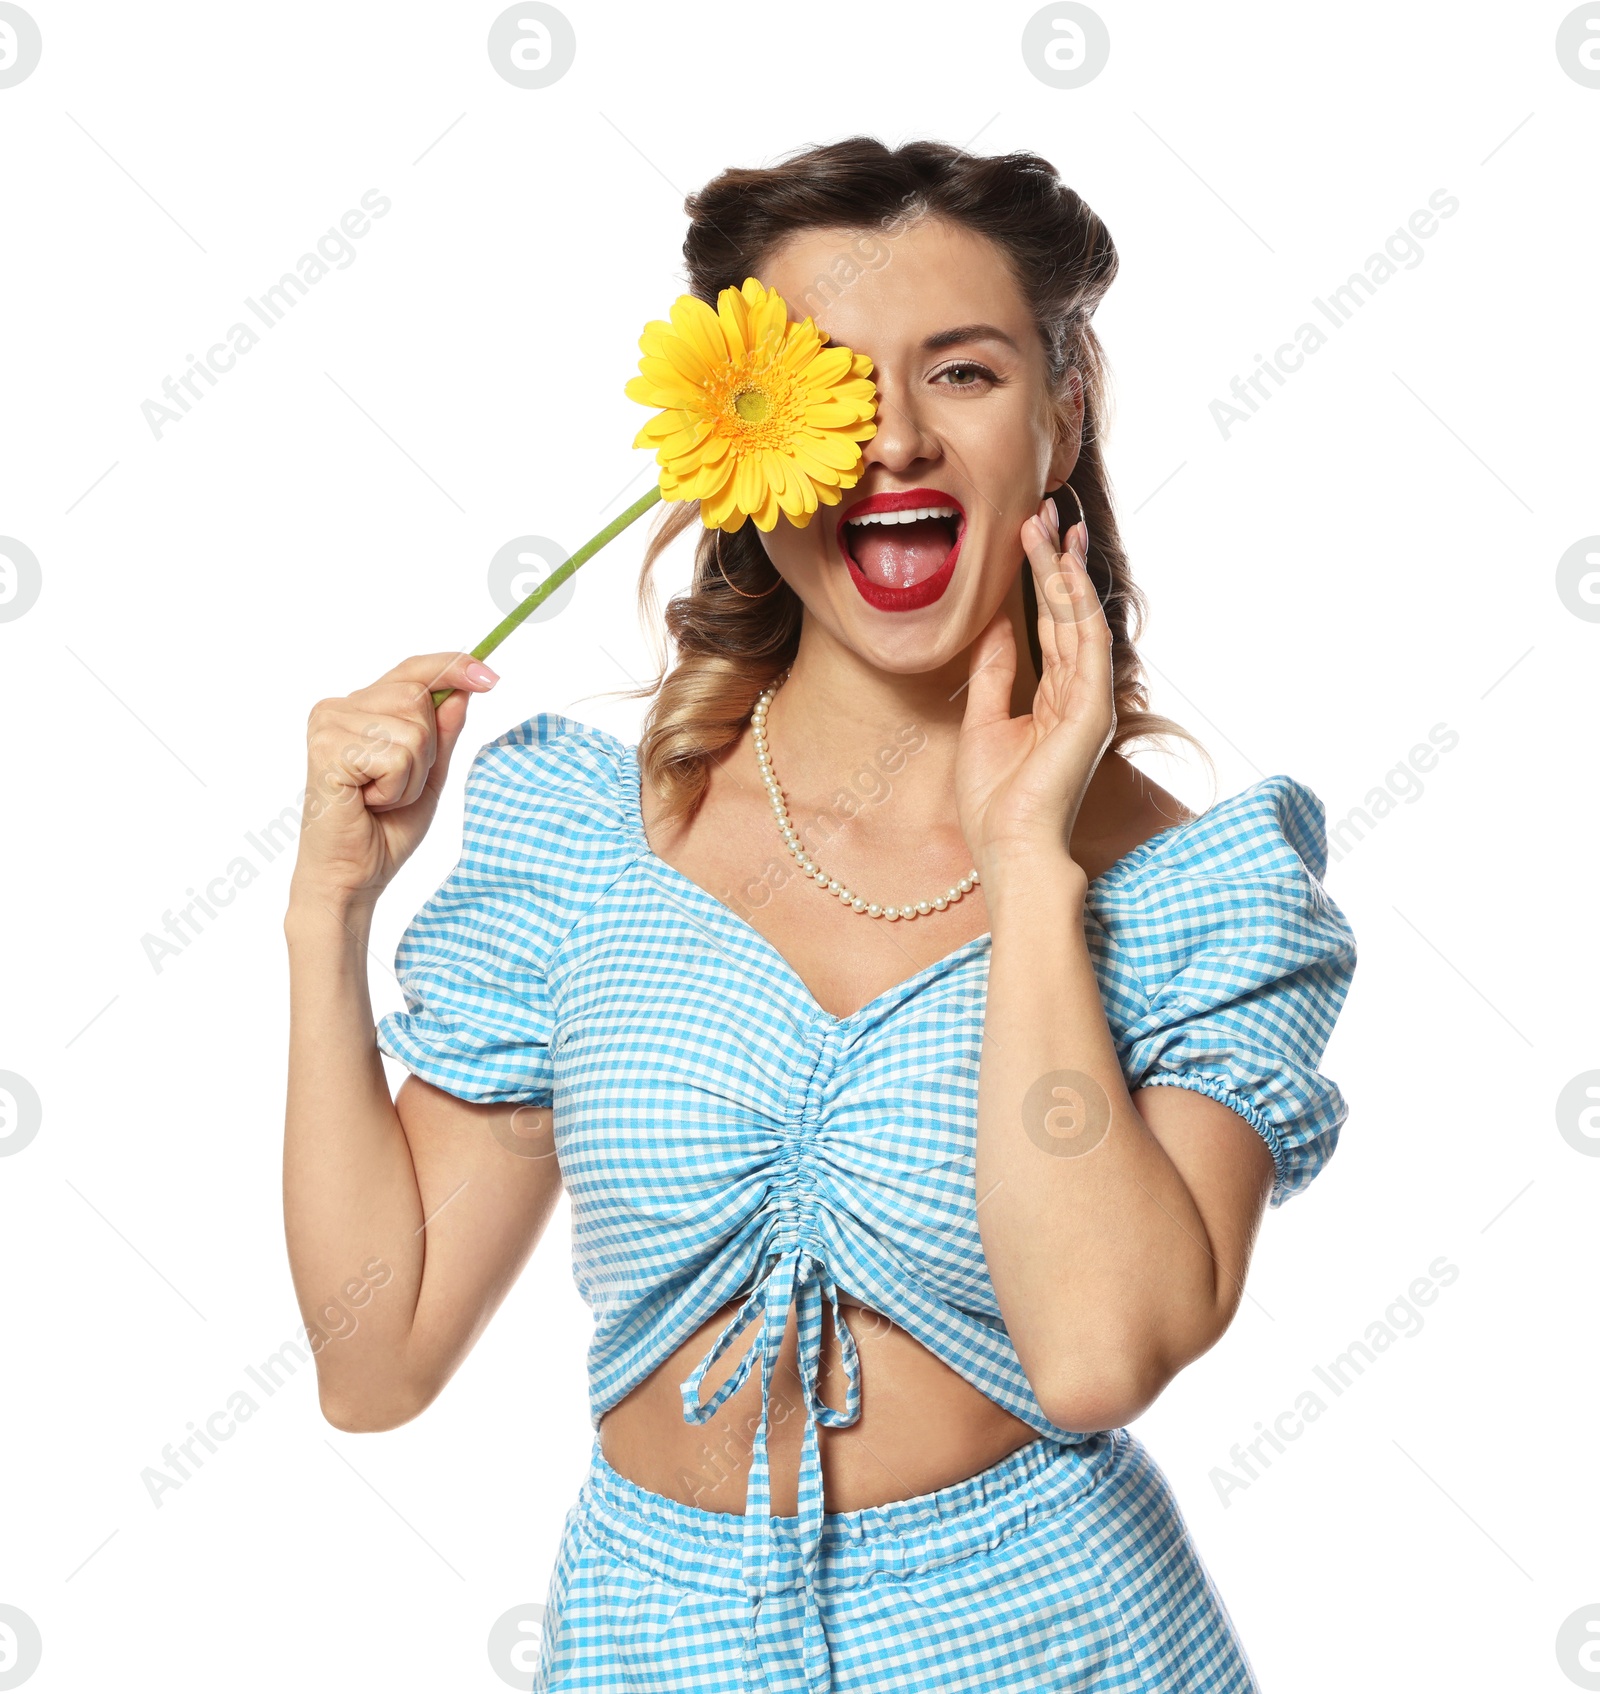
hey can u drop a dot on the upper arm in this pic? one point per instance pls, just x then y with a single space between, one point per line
476 1034
1226 965
1228 1171
488 1180
481 968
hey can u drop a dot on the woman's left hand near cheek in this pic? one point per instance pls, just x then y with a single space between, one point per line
1020 781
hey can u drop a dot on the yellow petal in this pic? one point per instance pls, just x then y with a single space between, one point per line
650 335
840 455
671 418
749 484
649 393
665 424
707 478
831 365
768 313
711 451
717 508
756 295
810 463
714 482
859 393
675 448
828 413
698 325
816 466
801 346
684 359
734 313
774 469
664 376
792 496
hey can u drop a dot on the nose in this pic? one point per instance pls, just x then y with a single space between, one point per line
902 438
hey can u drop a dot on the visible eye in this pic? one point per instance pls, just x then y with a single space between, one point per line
979 376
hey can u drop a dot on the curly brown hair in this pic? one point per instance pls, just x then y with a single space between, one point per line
730 648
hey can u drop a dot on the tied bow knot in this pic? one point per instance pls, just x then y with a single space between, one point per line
799 1278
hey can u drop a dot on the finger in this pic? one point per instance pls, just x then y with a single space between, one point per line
1052 592
451 718
403 699
992 672
339 742
1091 634
420 743
392 769
416 776
370 747
367 733
444 670
405 702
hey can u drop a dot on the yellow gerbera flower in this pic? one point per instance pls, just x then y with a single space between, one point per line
758 415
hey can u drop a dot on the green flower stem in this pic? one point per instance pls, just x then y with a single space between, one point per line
555 579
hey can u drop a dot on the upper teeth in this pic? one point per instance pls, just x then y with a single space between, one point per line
910 515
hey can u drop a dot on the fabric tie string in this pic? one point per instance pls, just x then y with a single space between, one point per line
801 1279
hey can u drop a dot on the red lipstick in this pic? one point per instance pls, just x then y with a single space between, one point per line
884 596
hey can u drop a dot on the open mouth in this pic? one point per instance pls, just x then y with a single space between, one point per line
900 550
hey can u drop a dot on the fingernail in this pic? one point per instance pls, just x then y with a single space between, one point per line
1078 538
1047 516
480 673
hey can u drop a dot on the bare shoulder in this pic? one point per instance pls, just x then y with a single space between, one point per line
1122 809
1154 809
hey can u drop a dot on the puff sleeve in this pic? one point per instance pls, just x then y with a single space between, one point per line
474 964
1245 963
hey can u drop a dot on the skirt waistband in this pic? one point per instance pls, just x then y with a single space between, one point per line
702 1549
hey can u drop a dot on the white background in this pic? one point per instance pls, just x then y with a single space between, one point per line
1375 553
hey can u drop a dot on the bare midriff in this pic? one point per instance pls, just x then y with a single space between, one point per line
922 1425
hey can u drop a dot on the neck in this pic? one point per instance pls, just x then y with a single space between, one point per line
839 725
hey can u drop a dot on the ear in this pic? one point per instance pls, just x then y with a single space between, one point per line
1069 440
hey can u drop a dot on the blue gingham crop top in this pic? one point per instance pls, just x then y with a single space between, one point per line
720 1135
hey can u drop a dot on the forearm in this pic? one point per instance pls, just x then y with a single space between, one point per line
352 1209
1098 1255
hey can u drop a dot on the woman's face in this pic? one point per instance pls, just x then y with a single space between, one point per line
964 422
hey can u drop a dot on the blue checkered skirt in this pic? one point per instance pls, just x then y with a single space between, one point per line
1062 1567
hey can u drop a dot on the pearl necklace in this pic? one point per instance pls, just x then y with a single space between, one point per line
758 729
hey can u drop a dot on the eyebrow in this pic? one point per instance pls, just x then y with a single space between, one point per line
968 332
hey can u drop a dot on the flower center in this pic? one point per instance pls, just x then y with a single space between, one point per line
754 405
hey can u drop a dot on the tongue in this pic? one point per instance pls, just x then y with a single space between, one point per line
903 554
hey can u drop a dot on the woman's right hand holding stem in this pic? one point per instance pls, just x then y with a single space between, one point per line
376 762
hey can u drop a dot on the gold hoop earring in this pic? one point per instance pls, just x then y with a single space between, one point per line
716 552
1082 517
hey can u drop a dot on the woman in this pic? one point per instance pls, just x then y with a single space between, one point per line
901 1189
